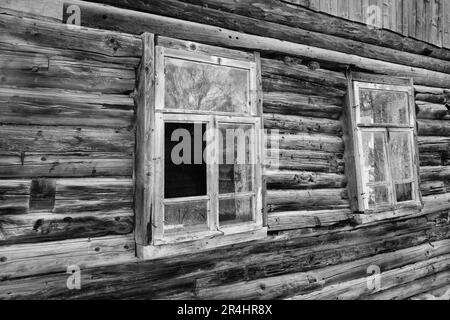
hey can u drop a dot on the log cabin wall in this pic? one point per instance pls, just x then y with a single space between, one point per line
67 186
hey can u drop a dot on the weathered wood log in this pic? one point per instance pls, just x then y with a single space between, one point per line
315 199
40 227
27 165
294 124
42 107
279 83
432 111
316 161
434 144
290 220
414 287
24 260
298 104
439 293
432 187
432 90
435 173
160 279
93 195
25 32
282 179
307 141
64 139
14 196
13 60
433 127
106 17
292 69
250 25
433 159
441 98
358 288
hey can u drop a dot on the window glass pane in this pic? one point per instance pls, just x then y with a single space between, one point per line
374 156
403 192
186 216
378 195
184 165
383 107
235 210
235 158
400 155
201 86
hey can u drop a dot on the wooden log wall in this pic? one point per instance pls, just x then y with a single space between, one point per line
316 248
66 131
426 20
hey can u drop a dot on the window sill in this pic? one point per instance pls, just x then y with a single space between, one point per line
210 240
404 211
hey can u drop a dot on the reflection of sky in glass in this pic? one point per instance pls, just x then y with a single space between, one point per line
201 86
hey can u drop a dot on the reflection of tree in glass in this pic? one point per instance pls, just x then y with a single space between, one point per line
381 106
200 86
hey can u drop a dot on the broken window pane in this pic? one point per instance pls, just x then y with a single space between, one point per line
235 158
205 87
186 216
235 210
184 165
374 156
400 155
383 107
378 195
403 192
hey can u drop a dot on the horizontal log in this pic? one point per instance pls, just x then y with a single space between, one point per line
307 141
414 287
282 179
294 124
251 25
277 256
14 196
433 187
433 144
433 159
25 32
435 173
15 165
40 227
285 84
12 60
106 17
290 220
434 127
358 288
291 68
30 259
65 139
316 199
428 110
304 105
441 98
317 161
97 195
439 293
41 111
432 90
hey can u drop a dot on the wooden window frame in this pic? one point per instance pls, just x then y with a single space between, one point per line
149 173
354 154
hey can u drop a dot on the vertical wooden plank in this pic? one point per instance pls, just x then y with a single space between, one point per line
343 9
412 18
387 15
333 7
399 16
436 26
314 5
364 10
428 13
325 6
145 105
355 10
420 20
446 23
406 16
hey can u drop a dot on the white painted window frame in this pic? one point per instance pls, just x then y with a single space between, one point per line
358 128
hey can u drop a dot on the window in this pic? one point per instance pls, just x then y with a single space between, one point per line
384 136
205 146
